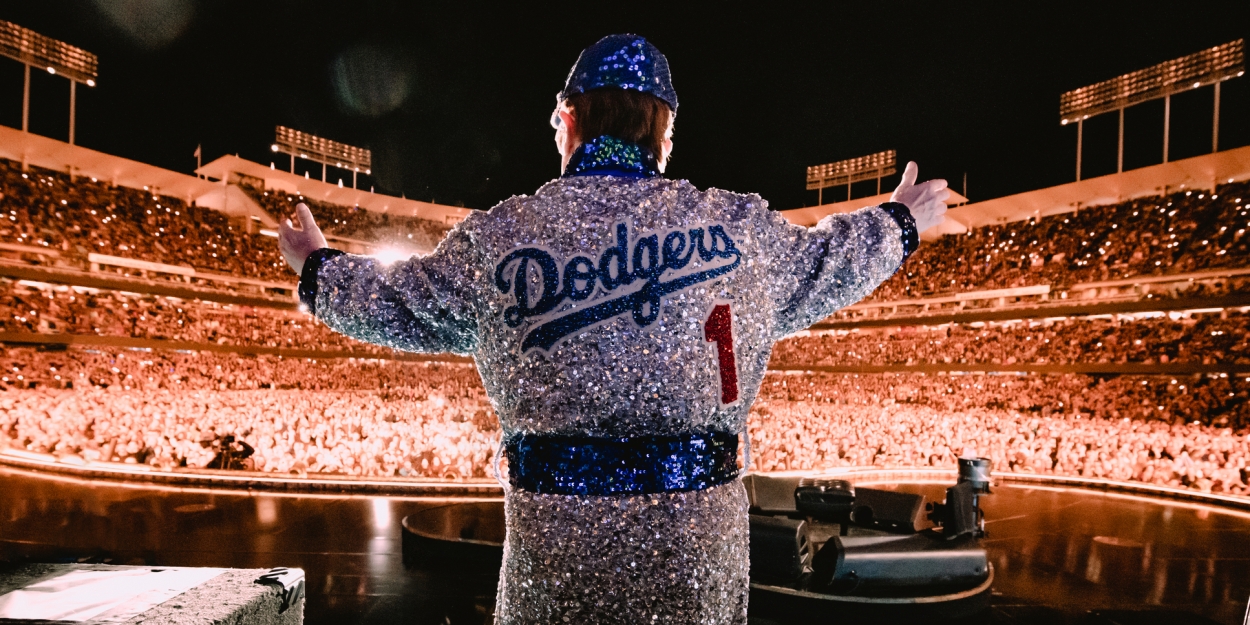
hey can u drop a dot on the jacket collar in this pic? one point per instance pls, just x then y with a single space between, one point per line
606 155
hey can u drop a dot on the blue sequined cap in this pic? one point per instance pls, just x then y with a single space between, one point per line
624 61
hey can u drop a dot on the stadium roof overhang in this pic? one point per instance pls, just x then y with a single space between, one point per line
810 215
60 156
230 167
1199 172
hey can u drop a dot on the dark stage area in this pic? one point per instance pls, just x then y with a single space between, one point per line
1060 555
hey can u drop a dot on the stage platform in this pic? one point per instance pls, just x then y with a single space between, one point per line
99 594
1060 554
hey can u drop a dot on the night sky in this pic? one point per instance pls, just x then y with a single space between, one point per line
454 98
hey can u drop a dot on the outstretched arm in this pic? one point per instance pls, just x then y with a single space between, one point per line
842 259
423 304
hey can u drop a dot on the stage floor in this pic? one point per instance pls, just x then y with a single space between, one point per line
1058 553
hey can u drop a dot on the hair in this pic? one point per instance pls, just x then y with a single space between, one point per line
622 113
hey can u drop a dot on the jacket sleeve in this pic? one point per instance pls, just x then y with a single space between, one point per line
835 263
423 304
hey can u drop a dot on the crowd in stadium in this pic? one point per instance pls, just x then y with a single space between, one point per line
1150 338
792 436
1157 338
75 218
385 417
65 310
166 409
1182 232
390 418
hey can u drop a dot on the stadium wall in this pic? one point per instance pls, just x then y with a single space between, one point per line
45 464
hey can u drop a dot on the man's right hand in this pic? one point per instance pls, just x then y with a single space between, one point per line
926 201
296 245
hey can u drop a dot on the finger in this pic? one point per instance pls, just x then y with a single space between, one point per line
909 175
942 195
933 188
306 221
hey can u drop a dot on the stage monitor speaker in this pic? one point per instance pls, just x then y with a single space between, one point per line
887 510
857 563
780 552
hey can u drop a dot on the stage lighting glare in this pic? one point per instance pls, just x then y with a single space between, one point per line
381 513
52 70
390 255
274 147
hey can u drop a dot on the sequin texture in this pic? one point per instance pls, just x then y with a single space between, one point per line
609 154
624 62
679 557
585 465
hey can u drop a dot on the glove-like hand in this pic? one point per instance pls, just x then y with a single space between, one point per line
296 245
926 201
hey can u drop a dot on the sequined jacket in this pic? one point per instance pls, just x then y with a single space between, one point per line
610 305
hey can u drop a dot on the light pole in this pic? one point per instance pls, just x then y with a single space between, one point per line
1207 67
32 49
850 171
320 150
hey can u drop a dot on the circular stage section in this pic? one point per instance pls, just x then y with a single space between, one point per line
1058 552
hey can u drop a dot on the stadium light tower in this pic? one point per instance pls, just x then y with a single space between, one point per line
1207 67
850 171
34 50
324 151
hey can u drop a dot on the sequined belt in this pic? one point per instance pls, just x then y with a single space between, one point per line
585 465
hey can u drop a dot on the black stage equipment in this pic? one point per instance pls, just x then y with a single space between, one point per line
887 510
977 472
780 551
858 563
884 550
830 501
961 514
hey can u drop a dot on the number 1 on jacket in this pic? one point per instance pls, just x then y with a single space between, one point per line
719 329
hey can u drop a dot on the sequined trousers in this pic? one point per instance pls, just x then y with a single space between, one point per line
680 557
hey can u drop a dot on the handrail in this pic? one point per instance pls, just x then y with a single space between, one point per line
1179 277
144 265
1044 289
30 249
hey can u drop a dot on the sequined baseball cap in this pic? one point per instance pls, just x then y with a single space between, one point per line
624 61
